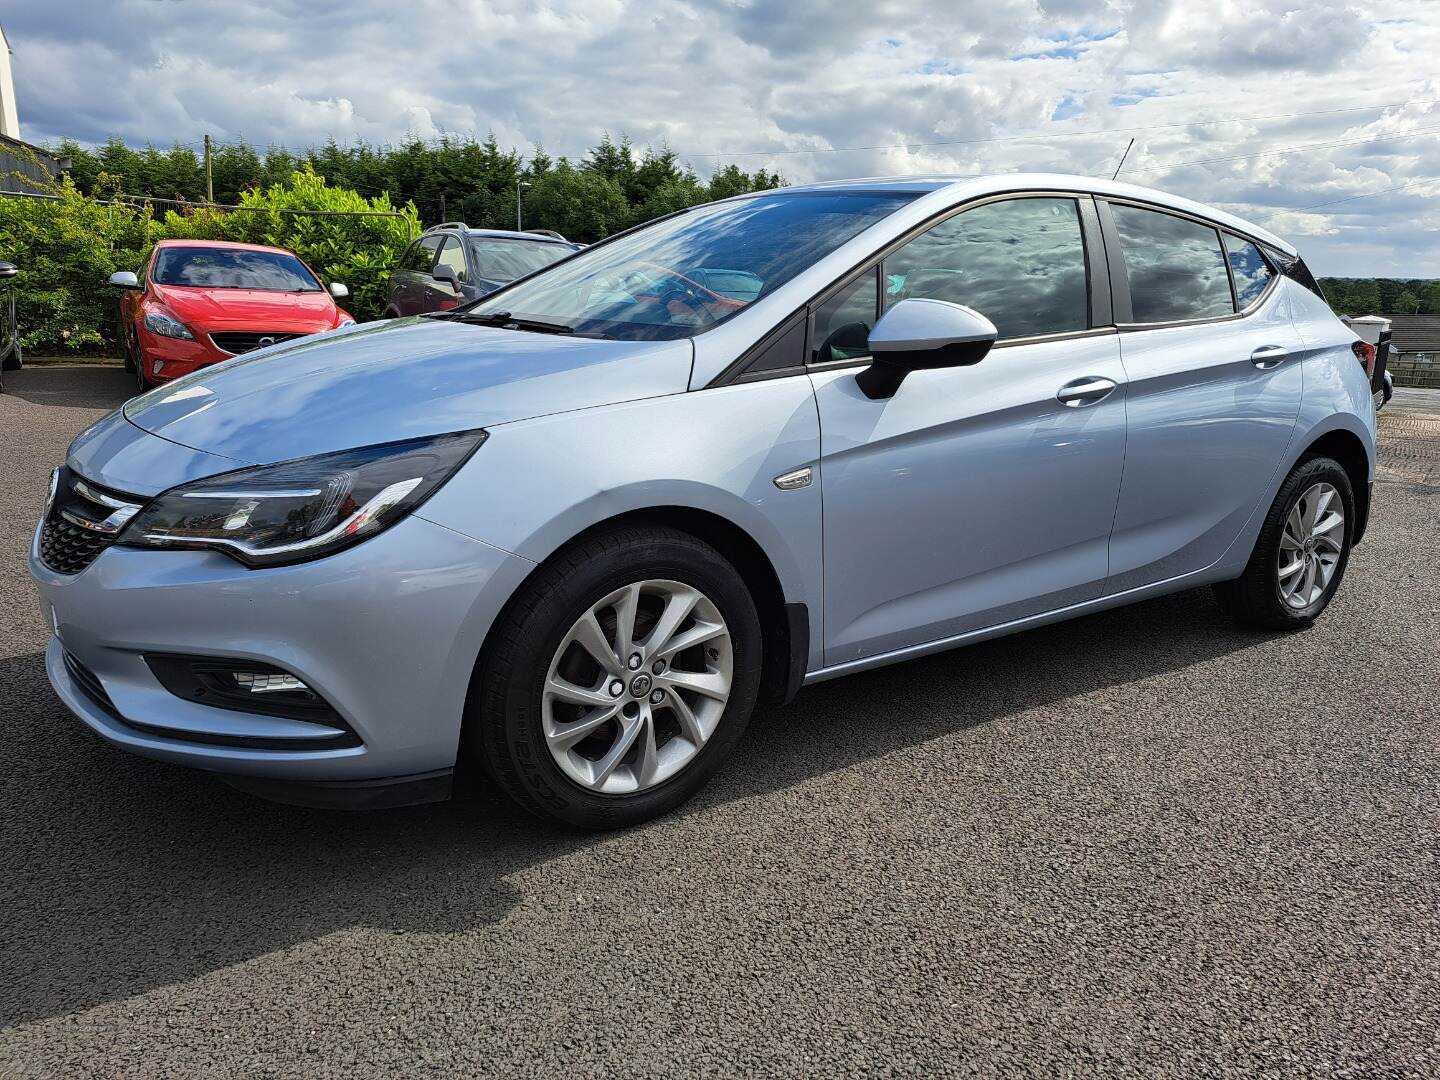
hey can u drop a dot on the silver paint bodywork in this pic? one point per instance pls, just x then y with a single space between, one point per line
973 503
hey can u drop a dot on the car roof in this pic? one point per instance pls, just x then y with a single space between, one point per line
232 245
506 234
960 188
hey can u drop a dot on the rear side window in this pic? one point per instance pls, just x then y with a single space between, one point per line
1248 267
420 255
1020 263
1175 267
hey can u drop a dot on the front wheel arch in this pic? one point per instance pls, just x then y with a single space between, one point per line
784 627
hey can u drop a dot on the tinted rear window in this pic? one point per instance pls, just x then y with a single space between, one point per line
230 268
1176 267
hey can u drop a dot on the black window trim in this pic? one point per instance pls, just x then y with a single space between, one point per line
1096 268
1120 284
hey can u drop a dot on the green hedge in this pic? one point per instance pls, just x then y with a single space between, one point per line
67 248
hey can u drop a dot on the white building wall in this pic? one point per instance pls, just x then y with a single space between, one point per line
9 117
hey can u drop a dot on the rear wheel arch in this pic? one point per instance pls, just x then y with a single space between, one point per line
1347 449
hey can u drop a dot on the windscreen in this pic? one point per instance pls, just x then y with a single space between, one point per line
506 260
687 273
232 268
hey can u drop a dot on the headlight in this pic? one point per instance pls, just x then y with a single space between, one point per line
297 510
345 320
166 325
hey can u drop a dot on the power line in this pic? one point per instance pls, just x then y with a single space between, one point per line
1290 150
1369 194
1042 137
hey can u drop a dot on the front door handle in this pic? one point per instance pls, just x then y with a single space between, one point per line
1269 356
1088 391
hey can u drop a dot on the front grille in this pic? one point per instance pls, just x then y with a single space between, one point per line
236 342
68 547
90 684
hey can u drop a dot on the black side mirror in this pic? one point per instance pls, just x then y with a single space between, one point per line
8 270
918 334
447 275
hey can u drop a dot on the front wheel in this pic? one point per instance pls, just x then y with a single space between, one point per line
1301 553
618 680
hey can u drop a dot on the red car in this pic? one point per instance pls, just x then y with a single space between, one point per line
197 302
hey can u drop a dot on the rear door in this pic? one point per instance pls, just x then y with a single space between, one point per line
1211 356
974 496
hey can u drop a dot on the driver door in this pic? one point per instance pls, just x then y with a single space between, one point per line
974 496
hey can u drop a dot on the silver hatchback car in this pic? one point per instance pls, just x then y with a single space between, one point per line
569 534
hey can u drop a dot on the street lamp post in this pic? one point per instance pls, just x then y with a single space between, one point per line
519 227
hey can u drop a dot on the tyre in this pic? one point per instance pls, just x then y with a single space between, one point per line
137 365
1301 553
130 364
618 679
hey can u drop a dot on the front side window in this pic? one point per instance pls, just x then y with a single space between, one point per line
1175 267
1020 263
232 268
453 256
1248 267
841 329
685 274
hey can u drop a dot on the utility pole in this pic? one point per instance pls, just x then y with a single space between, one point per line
442 207
209 179
519 226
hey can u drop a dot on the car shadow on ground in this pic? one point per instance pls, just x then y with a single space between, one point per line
71 386
98 844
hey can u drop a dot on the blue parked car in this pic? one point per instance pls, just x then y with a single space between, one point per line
569 534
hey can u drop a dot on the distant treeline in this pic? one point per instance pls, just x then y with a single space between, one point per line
451 178
1383 296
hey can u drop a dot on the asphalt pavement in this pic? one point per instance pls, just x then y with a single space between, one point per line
1143 843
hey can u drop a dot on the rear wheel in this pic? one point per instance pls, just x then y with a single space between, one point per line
1301 553
619 679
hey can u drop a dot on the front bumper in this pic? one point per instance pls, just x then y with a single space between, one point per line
387 632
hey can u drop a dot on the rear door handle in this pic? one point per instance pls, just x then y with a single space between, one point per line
1269 356
1088 391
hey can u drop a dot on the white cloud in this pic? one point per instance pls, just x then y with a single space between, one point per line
778 76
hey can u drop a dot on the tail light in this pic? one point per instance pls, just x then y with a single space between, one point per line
1365 353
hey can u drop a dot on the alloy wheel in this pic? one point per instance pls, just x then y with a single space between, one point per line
1310 546
637 687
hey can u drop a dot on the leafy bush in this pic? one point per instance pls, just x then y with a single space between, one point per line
68 246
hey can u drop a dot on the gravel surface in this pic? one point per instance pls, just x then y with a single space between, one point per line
1142 843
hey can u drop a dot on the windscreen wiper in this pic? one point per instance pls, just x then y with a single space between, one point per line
504 318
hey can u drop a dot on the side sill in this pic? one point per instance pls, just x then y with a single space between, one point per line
1100 603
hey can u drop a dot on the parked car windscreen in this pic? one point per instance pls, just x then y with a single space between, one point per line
232 268
687 273
499 259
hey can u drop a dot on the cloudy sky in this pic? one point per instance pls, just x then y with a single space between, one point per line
814 88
